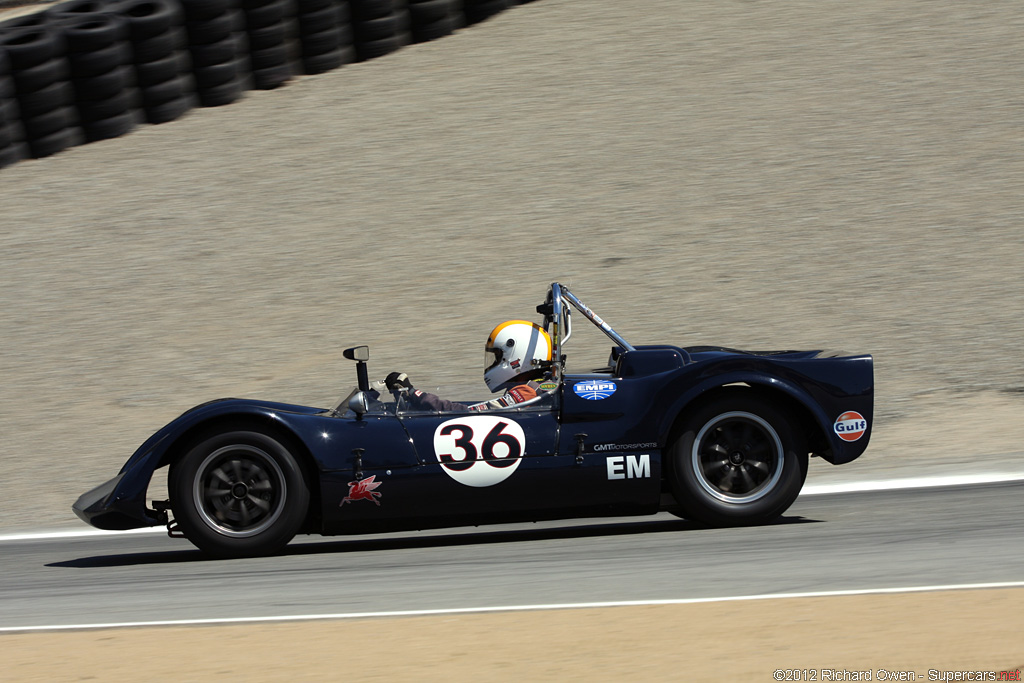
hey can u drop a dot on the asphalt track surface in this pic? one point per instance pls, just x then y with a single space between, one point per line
949 535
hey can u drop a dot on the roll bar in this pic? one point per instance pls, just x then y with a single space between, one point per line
558 319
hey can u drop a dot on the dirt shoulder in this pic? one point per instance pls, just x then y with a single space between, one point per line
973 630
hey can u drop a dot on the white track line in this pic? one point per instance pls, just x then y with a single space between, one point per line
511 608
912 483
808 490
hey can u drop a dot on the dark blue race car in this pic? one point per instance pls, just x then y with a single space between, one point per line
711 434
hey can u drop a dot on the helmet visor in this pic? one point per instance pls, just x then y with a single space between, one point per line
492 357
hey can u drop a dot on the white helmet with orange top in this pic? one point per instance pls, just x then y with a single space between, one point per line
516 350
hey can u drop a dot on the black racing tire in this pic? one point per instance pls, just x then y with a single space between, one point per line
11 113
377 48
269 58
10 154
158 70
201 10
73 8
47 99
90 32
55 142
738 460
159 46
308 6
172 89
35 19
31 46
98 110
148 18
371 9
320 43
479 10
440 28
270 35
265 14
271 77
110 127
239 494
169 110
104 85
375 29
347 35
47 123
213 53
324 62
220 95
211 30
86 64
6 83
324 19
215 75
40 76
429 11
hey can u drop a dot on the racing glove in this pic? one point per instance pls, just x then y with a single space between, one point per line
398 381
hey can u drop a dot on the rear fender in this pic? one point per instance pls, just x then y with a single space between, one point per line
815 416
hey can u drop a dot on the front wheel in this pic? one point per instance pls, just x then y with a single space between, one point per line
737 460
238 494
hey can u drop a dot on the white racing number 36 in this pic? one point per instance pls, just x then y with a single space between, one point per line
479 450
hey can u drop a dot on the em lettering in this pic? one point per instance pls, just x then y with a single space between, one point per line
629 466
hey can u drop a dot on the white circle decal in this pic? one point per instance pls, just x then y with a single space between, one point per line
479 450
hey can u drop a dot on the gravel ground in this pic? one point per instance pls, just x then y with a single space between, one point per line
762 175
725 641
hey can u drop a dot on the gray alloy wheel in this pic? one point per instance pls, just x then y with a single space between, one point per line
239 493
737 459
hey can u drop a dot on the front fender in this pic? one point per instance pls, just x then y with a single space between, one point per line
120 503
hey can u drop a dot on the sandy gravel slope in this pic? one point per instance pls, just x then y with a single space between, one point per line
786 174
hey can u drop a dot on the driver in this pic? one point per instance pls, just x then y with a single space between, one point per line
517 361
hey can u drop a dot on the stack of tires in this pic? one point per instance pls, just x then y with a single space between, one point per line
71 8
478 10
37 19
161 64
99 60
218 48
39 71
431 19
12 136
92 69
375 27
267 29
324 35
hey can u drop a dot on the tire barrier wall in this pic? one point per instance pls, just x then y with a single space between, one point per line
87 70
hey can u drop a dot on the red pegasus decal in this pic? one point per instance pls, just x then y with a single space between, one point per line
363 490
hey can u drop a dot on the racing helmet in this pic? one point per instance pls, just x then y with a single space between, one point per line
516 349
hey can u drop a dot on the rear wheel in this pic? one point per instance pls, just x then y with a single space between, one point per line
738 460
239 494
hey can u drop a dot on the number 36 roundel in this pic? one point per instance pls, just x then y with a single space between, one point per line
479 450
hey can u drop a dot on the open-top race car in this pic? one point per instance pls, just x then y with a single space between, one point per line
711 434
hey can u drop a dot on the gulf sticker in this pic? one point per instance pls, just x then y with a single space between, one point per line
850 426
479 450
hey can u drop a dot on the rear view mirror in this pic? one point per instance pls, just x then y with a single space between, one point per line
359 353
